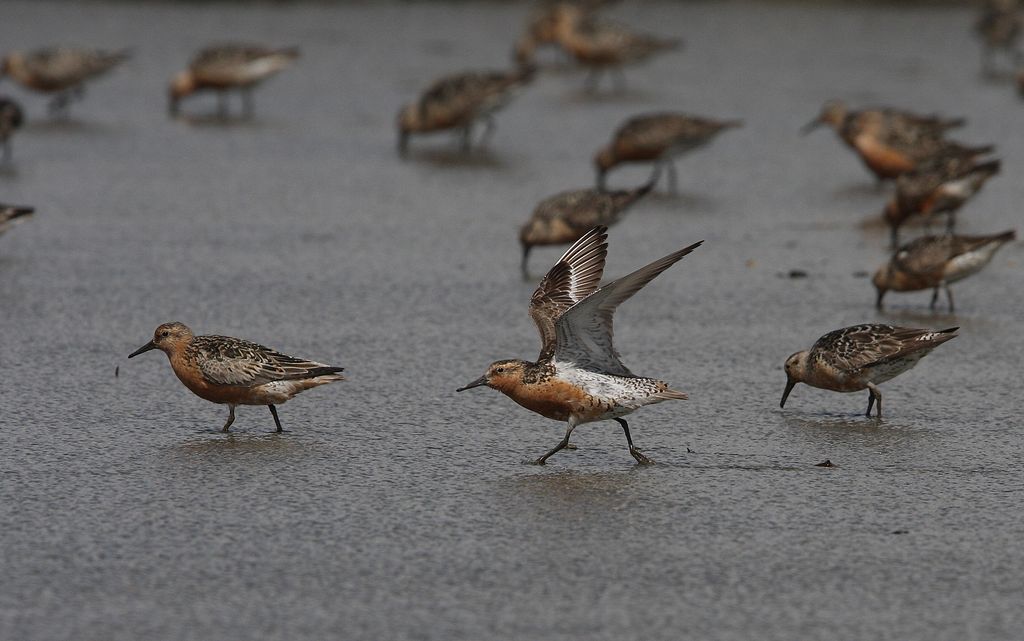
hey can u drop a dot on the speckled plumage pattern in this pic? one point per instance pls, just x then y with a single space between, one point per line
60 68
565 217
933 262
239 64
232 371
579 377
860 357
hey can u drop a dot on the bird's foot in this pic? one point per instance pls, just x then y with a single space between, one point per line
571 446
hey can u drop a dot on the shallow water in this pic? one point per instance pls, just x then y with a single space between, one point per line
394 508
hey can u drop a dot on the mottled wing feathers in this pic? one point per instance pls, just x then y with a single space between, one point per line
574 277
65 66
584 332
232 361
854 348
928 254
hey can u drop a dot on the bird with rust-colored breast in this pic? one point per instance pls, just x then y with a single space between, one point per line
935 262
579 377
229 67
234 372
659 138
457 102
939 187
601 46
60 71
861 357
565 217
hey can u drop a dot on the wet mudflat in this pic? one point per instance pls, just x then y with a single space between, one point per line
393 508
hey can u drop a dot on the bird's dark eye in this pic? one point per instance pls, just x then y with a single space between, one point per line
165 333
500 370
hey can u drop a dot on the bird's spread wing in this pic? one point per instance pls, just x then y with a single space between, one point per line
574 277
231 361
584 332
860 346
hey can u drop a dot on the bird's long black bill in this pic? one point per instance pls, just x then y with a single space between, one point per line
477 383
145 348
809 127
789 388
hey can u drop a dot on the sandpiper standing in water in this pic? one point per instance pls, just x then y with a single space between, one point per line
934 262
578 377
658 138
228 67
60 71
459 101
233 372
565 217
861 357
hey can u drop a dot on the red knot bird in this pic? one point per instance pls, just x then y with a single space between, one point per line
229 67
542 27
11 118
565 217
578 377
457 102
940 187
233 372
934 262
891 142
999 27
11 215
600 46
658 138
60 71
861 357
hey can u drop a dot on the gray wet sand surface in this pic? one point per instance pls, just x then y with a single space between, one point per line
393 508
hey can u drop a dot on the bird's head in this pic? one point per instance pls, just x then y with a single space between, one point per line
167 338
795 367
183 84
500 375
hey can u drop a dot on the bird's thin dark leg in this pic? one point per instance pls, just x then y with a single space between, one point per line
950 222
277 421
871 403
58 105
231 418
635 453
935 297
949 296
467 137
877 393
561 445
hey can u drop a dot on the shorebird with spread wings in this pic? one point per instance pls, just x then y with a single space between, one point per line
579 377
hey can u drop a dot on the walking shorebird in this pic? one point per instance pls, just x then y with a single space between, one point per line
861 357
542 27
940 187
227 67
457 102
233 372
565 217
658 138
601 46
891 142
578 377
11 118
11 215
60 71
999 27
934 262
